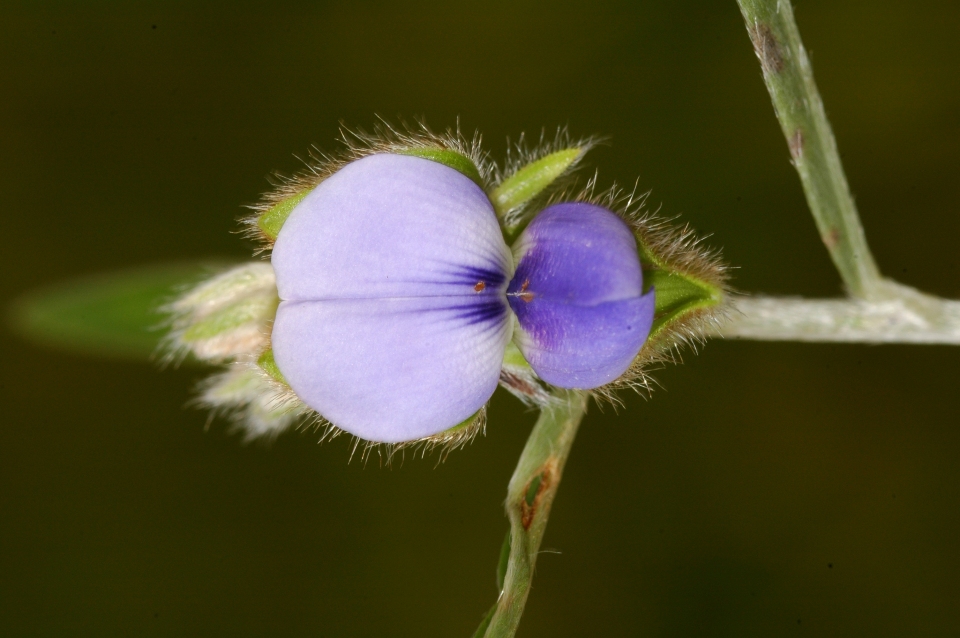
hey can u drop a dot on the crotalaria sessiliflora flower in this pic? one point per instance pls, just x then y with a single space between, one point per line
410 276
398 294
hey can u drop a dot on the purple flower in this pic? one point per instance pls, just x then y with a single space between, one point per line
578 296
398 297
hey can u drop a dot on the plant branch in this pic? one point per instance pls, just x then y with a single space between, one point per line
904 315
529 497
789 78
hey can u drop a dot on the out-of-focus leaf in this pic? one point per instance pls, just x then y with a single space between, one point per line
112 315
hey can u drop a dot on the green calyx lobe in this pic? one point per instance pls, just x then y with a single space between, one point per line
532 179
269 365
272 220
677 296
470 420
453 159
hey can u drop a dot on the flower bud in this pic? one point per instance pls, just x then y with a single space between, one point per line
259 408
225 316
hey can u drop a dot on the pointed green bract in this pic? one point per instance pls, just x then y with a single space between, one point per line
114 315
272 220
532 179
453 159
269 365
677 295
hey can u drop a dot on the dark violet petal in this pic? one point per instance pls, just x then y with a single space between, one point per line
390 226
578 296
579 253
584 347
392 370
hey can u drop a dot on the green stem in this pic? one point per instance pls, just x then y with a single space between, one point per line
529 497
789 78
907 316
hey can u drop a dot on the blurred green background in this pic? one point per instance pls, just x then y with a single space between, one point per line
766 490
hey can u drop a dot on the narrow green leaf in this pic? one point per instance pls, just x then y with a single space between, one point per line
532 179
677 295
449 158
504 561
485 623
273 219
110 315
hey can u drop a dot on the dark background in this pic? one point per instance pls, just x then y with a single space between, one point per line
766 490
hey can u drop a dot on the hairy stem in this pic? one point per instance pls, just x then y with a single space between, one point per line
904 315
789 78
529 497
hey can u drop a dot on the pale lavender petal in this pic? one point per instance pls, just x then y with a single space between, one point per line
578 296
390 226
395 369
394 323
